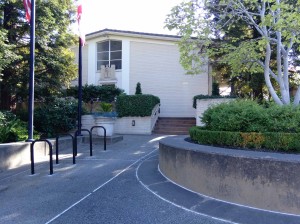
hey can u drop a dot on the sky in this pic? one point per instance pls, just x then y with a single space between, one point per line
130 15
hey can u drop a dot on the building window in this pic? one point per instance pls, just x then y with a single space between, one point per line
109 53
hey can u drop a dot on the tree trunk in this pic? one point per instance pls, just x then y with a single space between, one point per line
267 75
297 97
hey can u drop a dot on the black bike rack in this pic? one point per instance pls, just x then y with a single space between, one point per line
32 154
75 141
104 134
57 151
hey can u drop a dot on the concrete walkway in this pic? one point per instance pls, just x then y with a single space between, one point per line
120 185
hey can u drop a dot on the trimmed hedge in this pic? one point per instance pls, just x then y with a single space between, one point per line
136 105
275 141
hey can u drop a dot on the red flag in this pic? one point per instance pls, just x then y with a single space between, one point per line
27 5
79 19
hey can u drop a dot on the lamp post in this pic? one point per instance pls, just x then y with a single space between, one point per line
31 74
79 86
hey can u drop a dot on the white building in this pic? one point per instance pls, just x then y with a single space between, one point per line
151 59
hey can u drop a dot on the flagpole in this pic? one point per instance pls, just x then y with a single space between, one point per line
31 74
81 43
79 86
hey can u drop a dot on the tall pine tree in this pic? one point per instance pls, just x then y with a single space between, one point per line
54 62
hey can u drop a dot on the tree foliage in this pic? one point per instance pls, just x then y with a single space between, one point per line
267 29
54 62
7 54
138 89
105 93
58 117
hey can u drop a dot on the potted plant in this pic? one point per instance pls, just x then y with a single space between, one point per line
106 118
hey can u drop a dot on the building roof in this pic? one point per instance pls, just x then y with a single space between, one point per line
131 34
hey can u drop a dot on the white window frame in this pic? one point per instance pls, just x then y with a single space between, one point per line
109 54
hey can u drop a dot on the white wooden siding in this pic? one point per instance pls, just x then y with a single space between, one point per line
157 68
84 64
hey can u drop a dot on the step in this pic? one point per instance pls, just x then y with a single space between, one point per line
172 128
172 132
174 125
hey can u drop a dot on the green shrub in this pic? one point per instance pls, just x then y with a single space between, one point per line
221 138
106 93
106 110
249 116
136 105
56 117
138 89
283 118
247 124
245 116
283 141
12 129
276 141
106 107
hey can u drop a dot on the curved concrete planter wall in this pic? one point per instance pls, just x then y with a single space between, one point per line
263 180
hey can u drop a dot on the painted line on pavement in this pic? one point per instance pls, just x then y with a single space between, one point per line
172 203
223 201
102 185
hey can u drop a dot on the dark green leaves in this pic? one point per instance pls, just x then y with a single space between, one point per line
140 105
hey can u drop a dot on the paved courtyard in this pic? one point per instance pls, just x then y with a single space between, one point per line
119 185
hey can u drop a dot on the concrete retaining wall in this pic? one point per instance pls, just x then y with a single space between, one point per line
137 125
142 125
258 179
14 155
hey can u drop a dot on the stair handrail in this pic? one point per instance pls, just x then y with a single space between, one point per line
155 115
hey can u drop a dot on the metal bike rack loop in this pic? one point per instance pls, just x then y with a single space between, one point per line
104 134
73 148
75 141
32 154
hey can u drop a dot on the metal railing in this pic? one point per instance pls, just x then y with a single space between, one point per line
104 134
32 154
74 147
75 140
155 115
57 150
